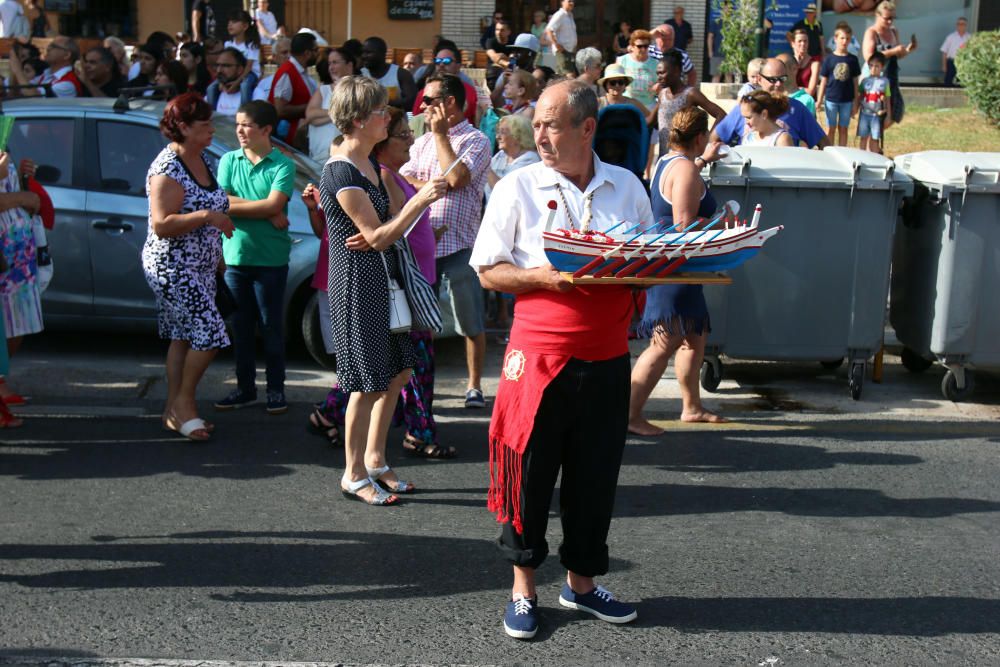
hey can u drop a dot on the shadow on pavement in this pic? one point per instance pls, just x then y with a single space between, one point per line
271 566
911 616
678 499
721 453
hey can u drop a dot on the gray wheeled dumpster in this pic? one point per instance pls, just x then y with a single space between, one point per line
818 290
946 266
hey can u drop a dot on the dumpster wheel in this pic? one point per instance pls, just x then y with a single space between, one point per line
856 379
913 362
949 386
711 373
832 364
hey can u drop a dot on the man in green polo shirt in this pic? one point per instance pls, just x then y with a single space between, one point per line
259 180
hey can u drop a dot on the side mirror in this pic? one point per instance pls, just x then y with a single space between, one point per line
46 174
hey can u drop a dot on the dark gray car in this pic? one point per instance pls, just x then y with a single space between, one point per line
93 160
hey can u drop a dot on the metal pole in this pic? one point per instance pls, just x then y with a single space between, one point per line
761 33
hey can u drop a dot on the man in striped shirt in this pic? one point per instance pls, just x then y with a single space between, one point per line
664 36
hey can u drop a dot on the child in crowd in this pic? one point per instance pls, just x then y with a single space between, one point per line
244 37
873 102
838 81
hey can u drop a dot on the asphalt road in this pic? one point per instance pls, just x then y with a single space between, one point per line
811 530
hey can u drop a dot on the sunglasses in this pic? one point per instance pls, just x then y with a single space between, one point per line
433 99
775 79
443 61
641 46
402 135
617 83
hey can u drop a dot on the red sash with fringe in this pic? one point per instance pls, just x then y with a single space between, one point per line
588 323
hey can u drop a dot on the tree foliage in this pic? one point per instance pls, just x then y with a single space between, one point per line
739 23
976 63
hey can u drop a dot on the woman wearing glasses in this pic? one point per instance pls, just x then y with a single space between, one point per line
322 131
415 410
615 82
640 67
884 38
373 364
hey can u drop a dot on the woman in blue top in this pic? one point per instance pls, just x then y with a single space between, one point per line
676 316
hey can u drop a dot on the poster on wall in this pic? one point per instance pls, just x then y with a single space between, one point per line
929 20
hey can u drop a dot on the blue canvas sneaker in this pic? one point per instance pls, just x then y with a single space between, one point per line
276 403
599 602
236 399
521 618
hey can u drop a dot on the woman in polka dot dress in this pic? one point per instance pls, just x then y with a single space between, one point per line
372 363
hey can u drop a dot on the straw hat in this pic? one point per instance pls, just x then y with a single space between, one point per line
614 71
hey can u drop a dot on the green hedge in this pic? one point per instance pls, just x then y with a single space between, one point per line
976 63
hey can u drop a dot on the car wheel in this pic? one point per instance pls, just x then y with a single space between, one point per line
312 335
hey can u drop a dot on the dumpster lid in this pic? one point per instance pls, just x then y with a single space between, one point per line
798 167
979 172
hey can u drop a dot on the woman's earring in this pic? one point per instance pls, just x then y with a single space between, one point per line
362 125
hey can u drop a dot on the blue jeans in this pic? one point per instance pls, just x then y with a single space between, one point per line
260 297
835 110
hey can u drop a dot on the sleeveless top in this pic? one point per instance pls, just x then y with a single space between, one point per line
663 210
665 114
321 136
754 139
389 81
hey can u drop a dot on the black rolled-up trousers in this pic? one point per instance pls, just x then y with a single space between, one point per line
580 428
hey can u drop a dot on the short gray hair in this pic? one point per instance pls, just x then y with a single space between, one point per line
587 58
355 98
580 98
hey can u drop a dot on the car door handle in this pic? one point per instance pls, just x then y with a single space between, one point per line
114 223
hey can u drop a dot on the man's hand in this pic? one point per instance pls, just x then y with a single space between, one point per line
279 221
551 279
357 242
437 119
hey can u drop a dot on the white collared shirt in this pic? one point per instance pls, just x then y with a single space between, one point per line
953 42
517 212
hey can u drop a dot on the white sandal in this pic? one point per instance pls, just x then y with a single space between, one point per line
380 499
189 427
399 486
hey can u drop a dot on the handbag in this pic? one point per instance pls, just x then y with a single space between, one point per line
225 300
425 312
400 318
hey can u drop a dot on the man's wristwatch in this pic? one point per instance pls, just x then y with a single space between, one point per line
703 162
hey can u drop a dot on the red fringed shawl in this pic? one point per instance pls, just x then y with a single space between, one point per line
588 323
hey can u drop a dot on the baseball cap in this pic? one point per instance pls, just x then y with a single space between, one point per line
811 7
526 41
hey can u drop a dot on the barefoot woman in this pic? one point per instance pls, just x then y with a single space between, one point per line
677 315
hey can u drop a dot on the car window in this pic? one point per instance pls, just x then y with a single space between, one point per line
49 143
125 151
